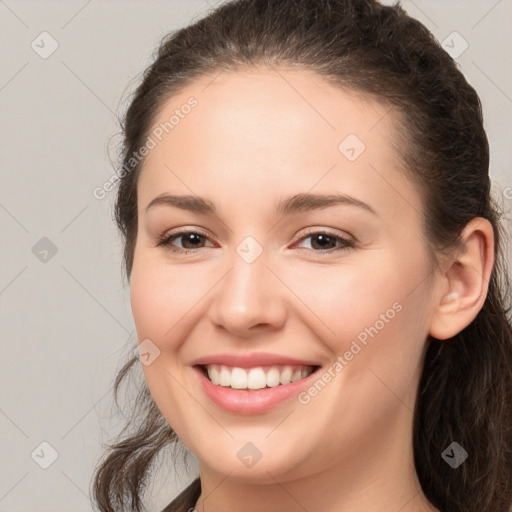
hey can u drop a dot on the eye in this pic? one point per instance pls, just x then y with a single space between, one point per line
326 242
322 240
189 237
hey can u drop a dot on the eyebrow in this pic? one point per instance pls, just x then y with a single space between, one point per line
297 203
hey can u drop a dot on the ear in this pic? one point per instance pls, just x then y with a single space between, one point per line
464 284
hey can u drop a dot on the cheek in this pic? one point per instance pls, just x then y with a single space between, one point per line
345 299
160 296
374 313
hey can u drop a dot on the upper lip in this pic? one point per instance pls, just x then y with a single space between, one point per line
252 360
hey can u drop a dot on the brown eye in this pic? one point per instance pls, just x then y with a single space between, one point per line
326 242
190 240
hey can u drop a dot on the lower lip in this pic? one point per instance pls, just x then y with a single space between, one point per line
243 401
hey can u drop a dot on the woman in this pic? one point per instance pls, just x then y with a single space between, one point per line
315 269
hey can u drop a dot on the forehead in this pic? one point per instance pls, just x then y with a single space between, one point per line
251 107
265 130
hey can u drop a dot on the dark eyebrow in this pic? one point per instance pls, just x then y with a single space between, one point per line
305 201
296 203
193 203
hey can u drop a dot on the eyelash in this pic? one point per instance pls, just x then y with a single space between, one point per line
165 242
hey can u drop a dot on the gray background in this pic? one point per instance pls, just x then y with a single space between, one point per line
65 317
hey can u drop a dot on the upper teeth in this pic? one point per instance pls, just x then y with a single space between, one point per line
256 378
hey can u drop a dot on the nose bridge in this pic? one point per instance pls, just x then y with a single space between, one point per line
249 294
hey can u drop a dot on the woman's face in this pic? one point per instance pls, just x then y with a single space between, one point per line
343 287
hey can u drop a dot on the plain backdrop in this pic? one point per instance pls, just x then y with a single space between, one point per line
65 311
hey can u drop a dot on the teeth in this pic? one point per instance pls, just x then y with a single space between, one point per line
272 378
238 379
256 378
297 375
225 377
286 375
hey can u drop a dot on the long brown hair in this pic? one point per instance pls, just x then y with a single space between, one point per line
465 392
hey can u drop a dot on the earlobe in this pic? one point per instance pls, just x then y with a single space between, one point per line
464 285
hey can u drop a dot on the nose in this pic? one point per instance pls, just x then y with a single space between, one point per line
249 298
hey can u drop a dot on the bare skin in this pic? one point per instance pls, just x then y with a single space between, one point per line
253 139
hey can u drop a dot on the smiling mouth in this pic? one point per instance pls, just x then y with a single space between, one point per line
256 378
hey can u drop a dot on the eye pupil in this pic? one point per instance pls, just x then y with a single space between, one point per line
194 236
326 239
